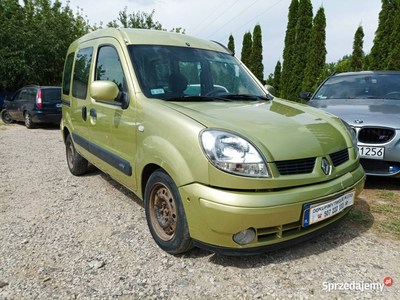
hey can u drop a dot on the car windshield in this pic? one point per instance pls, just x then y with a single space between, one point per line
187 74
374 86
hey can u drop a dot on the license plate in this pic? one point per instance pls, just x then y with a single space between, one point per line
58 105
314 213
371 152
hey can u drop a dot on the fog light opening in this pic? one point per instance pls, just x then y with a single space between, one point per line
394 169
244 237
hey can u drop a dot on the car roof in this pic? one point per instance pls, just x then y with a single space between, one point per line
368 73
151 37
42 87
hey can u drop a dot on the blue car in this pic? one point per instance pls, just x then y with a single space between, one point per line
33 104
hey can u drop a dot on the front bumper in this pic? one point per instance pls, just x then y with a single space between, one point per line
215 215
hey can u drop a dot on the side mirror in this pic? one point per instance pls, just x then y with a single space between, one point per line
103 90
270 89
305 96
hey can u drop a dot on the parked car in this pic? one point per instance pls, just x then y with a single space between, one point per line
227 168
34 104
370 102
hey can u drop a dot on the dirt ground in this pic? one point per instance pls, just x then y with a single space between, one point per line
66 237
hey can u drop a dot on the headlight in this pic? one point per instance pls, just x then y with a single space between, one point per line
352 134
233 154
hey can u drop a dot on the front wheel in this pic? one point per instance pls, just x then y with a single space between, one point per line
5 117
77 164
165 214
28 121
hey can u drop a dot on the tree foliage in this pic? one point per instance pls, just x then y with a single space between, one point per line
303 36
141 20
277 79
317 52
256 65
247 49
357 56
34 40
289 49
383 42
231 44
393 62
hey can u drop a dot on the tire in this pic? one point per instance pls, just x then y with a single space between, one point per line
28 121
5 117
165 214
76 163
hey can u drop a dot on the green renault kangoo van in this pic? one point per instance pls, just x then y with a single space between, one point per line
220 162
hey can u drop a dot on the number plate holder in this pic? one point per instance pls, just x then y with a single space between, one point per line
317 212
371 152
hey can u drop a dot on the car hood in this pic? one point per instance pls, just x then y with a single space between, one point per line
281 129
372 112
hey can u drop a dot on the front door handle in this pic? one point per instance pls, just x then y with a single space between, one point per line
84 113
93 113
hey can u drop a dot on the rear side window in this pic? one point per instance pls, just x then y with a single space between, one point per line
109 67
24 95
81 73
51 95
68 73
31 95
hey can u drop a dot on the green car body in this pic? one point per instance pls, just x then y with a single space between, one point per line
132 139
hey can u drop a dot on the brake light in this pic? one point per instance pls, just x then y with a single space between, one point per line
39 99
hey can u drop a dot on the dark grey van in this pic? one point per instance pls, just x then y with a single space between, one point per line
34 104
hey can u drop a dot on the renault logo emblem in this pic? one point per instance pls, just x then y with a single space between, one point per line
326 167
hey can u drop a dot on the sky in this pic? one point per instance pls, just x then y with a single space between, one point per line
217 19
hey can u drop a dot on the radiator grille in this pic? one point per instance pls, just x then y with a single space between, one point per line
340 157
375 135
297 166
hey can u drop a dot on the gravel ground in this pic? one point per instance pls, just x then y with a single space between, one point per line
66 237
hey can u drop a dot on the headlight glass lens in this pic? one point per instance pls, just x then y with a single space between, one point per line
352 134
233 154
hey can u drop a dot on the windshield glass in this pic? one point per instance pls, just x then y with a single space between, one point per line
168 72
375 86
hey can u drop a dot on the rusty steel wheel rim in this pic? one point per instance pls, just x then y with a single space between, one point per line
70 155
162 210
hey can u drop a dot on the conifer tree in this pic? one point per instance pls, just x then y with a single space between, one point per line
231 44
356 62
289 49
277 79
247 49
256 65
317 52
394 55
382 41
303 36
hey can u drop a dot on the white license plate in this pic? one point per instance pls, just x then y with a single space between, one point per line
314 213
371 152
58 105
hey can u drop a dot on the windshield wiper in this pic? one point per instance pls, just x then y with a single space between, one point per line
188 98
247 97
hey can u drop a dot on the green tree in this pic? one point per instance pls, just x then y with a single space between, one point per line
382 41
303 36
256 58
34 40
317 52
289 50
393 62
357 56
247 49
277 79
231 44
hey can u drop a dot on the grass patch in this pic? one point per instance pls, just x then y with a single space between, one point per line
393 225
388 209
387 195
359 217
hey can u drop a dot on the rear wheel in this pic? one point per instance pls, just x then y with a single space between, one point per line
28 121
5 117
76 163
165 214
